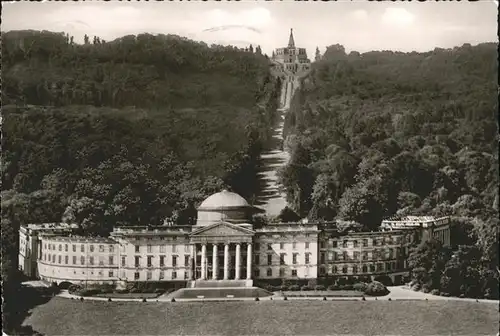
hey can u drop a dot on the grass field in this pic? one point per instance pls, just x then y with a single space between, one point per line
71 317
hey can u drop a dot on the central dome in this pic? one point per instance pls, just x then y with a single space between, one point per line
223 200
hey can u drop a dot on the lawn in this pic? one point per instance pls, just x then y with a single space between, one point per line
71 317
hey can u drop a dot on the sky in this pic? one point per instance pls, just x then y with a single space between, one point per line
357 25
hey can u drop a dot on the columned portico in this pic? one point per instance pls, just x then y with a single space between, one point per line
219 250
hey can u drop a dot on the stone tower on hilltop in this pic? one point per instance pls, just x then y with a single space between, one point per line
290 63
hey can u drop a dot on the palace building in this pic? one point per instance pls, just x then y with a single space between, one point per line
224 244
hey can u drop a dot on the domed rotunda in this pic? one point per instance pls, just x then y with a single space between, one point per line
225 206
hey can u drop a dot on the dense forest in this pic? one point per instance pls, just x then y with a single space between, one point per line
384 134
127 132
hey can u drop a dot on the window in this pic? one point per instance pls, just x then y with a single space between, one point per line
82 248
186 260
344 244
307 245
60 247
269 259
256 259
294 245
257 246
91 260
344 269
380 267
137 248
101 260
101 248
322 258
110 274
65 247
282 272
66 259
345 255
74 260
163 249
364 268
356 255
355 243
391 253
334 269
53 258
282 259
365 242
334 244
186 275
269 272
388 266
82 260
321 244
162 261
150 261
59 259
137 261
148 275
73 247
174 248
282 246
294 272
150 249
269 247
136 276
111 249
174 275
91 248
100 273
294 258
162 275
335 256
372 268
123 260
365 255
256 272
111 260
174 261
354 269
307 258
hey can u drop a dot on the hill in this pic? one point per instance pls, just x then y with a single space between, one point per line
380 134
126 132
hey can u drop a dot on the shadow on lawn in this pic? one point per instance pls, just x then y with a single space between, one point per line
29 298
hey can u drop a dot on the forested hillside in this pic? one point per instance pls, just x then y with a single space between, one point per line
127 132
385 133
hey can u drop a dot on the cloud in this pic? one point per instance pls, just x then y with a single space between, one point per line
396 16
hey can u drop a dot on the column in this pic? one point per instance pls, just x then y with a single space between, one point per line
203 261
238 258
249 261
215 268
193 262
226 261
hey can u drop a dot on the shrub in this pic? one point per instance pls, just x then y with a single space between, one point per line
294 288
425 289
445 294
159 291
319 288
376 288
416 287
360 286
283 288
305 288
135 290
88 292
384 279
74 288
435 291
332 287
144 300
